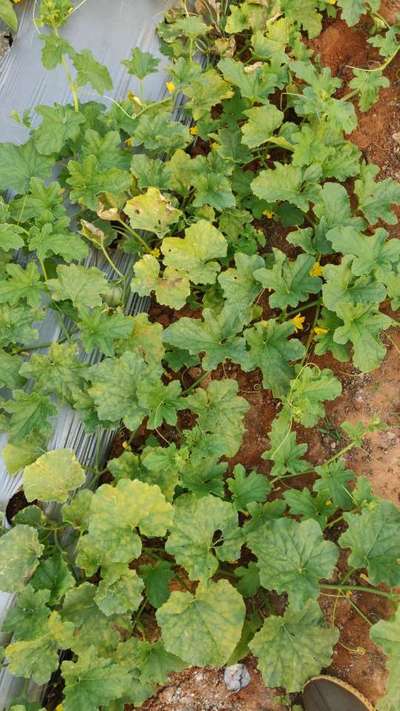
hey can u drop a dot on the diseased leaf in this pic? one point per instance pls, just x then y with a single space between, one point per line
151 212
195 254
309 651
92 681
191 541
120 590
20 551
219 408
373 537
263 121
53 476
293 557
202 629
286 183
84 286
386 634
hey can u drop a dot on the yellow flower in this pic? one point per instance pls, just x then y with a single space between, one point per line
214 146
125 445
170 86
60 707
298 322
129 142
155 252
319 331
268 213
194 130
316 270
331 2
135 99
328 502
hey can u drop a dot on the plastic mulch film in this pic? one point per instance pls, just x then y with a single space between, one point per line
110 28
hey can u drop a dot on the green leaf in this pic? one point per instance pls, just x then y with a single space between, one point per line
353 9
161 401
248 579
272 350
373 537
368 85
333 210
100 329
308 391
83 286
10 365
263 121
305 505
386 634
21 284
203 629
59 125
29 416
333 484
148 665
53 476
59 372
156 579
194 256
20 551
375 199
286 183
362 326
293 557
309 649
239 285
247 488
342 289
373 254
140 64
54 47
290 280
285 453
219 408
11 237
90 71
53 576
158 133
205 91
120 590
215 336
191 541
151 212
8 15
171 288
28 618
18 164
92 681
114 389
88 182
255 81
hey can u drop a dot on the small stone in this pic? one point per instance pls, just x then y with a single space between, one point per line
396 137
236 677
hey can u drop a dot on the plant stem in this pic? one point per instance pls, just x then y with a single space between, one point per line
135 234
360 588
196 382
304 308
110 261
